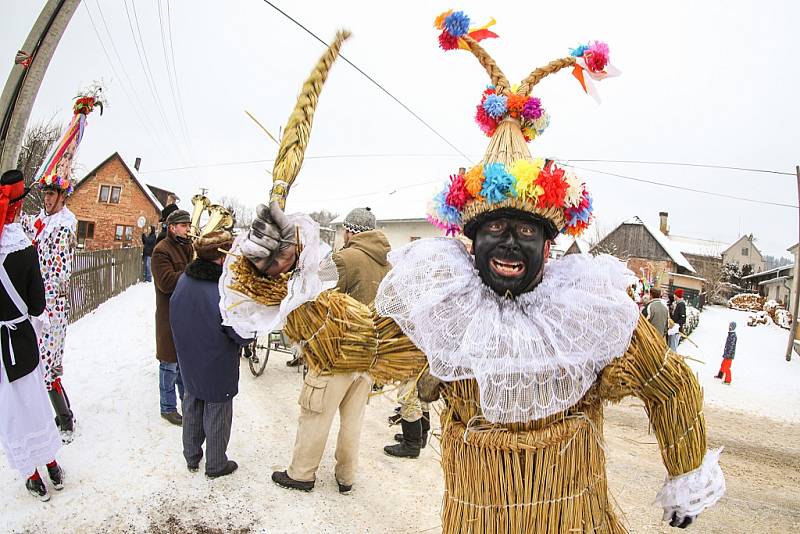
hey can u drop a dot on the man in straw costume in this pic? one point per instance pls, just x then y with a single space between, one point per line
523 353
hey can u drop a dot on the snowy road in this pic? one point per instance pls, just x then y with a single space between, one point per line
125 471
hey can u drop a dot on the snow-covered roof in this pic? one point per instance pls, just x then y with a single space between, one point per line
771 271
672 249
687 276
564 242
699 247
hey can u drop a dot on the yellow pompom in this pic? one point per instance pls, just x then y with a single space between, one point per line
526 171
439 22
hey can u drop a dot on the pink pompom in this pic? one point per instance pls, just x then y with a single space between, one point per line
596 56
448 41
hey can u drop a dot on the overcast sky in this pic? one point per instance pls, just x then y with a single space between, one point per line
702 82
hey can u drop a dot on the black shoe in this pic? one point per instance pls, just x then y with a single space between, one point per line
229 468
37 489
56 477
426 426
411 444
193 468
719 375
283 479
173 417
344 489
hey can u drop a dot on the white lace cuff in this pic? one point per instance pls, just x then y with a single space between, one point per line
691 493
314 273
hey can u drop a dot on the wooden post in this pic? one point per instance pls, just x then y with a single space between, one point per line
795 281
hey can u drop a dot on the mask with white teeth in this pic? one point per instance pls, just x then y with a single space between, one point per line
510 251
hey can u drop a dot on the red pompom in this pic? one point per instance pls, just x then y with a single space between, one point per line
458 195
487 123
551 179
448 41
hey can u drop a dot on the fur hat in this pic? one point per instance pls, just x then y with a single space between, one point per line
207 246
359 220
179 216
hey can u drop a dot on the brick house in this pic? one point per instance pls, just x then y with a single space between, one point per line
113 206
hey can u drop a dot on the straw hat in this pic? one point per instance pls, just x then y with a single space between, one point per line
508 178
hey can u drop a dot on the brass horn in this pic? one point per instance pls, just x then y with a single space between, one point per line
200 203
220 219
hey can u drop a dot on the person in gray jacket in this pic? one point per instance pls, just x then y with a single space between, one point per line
657 312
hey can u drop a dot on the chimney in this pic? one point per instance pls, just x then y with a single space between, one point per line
137 164
663 226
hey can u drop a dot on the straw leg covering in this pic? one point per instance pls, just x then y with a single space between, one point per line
542 477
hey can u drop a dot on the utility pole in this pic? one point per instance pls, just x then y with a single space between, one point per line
796 280
22 86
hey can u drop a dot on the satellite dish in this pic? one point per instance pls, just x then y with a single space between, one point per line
141 222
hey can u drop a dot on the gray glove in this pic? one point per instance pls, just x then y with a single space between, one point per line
428 387
271 240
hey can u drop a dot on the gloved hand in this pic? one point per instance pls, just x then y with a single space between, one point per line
428 387
680 521
270 243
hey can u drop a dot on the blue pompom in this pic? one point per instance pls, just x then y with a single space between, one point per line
578 51
456 24
447 213
495 106
498 183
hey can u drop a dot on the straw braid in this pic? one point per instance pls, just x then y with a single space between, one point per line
499 79
537 75
298 129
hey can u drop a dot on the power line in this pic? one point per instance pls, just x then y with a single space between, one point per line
270 160
150 83
177 80
371 79
681 164
681 188
144 122
181 120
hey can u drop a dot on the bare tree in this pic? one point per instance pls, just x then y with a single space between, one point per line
323 217
243 215
39 140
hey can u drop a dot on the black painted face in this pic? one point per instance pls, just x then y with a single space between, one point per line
509 254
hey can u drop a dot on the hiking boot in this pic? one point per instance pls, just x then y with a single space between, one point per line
37 489
411 443
56 476
229 468
173 417
426 426
344 489
283 479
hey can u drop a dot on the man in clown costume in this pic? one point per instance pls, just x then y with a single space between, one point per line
524 351
53 233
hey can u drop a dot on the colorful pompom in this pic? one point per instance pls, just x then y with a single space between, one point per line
596 56
578 51
439 22
498 184
458 195
532 109
575 187
473 180
448 41
456 24
495 106
515 104
541 124
488 124
551 180
526 172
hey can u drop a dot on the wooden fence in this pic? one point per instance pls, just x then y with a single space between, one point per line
98 275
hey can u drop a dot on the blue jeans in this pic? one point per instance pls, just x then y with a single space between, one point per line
169 375
148 274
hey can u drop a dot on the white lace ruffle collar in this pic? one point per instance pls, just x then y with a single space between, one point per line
63 219
13 239
533 356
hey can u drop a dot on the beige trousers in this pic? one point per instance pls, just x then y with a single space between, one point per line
320 398
411 407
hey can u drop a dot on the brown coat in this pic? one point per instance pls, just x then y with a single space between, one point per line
362 264
170 259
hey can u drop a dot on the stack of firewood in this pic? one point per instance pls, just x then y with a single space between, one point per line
747 302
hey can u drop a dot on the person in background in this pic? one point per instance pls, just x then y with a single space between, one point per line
148 244
728 354
656 311
28 434
208 354
165 213
170 258
679 317
53 233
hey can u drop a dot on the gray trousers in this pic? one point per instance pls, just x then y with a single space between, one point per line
209 422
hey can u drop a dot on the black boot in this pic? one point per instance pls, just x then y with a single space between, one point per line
719 375
426 427
64 418
412 441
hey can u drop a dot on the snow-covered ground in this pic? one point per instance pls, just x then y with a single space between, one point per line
764 383
125 471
